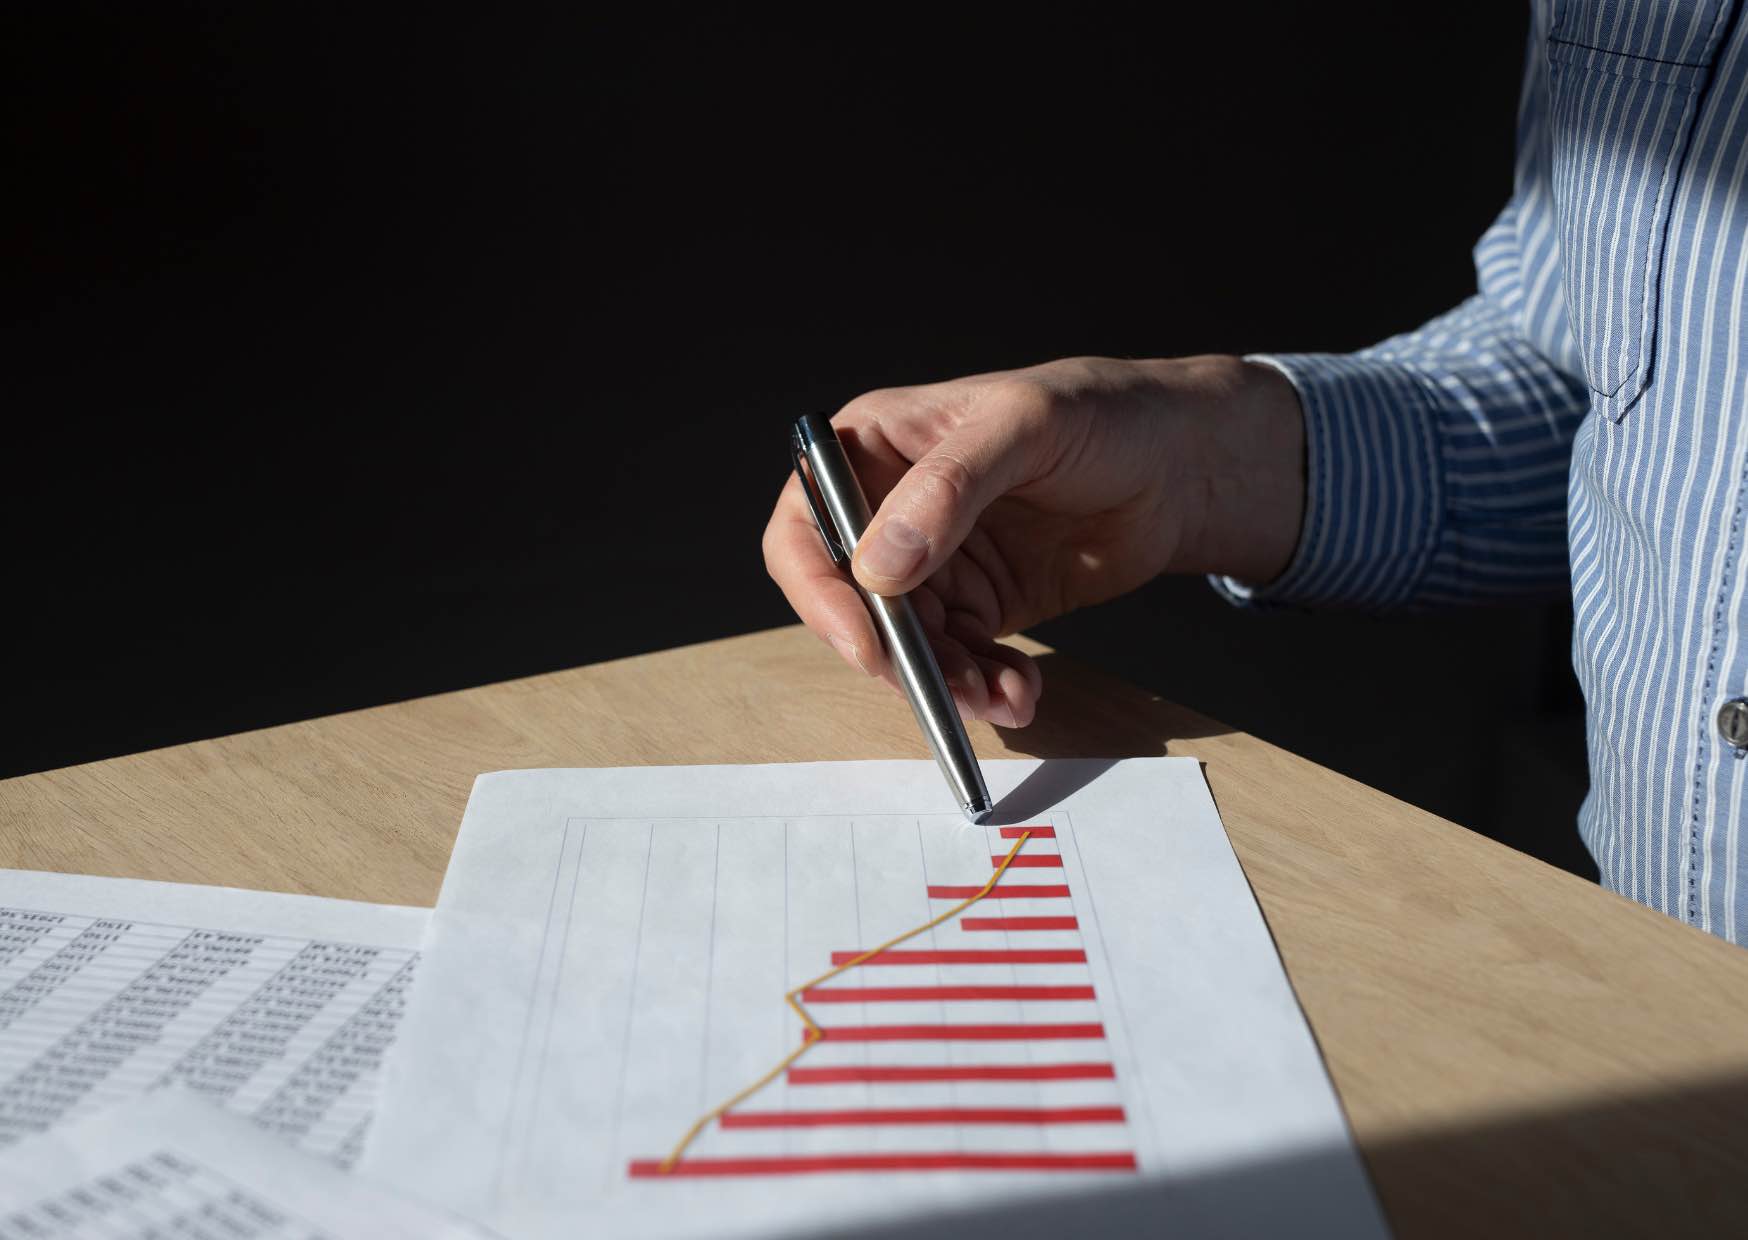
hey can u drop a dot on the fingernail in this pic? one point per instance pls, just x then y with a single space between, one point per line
1002 715
970 680
848 651
896 551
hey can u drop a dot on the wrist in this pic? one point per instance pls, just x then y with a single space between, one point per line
1245 469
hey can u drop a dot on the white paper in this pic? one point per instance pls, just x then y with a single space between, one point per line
171 1165
608 961
279 1006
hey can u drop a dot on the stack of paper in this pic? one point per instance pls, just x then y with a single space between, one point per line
171 1164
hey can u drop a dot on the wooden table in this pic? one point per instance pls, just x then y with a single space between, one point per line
1519 1052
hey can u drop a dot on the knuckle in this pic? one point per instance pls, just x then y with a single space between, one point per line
868 406
774 569
1026 403
945 475
768 541
777 565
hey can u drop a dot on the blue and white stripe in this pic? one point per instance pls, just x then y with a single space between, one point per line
1581 419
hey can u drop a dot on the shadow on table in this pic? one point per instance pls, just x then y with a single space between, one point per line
1671 1163
1086 723
1084 713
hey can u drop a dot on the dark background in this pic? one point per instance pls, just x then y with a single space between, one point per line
362 356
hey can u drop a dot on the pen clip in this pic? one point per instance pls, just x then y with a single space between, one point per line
815 502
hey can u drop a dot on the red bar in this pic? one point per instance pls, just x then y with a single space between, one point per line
923 1115
958 1033
972 955
1036 861
907 1073
1037 833
651 1169
1037 891
933 994
1018 923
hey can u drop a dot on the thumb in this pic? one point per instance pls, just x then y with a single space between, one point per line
928 514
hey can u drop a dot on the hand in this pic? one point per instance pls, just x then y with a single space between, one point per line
1008 498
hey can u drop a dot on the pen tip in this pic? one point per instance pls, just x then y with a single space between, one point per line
978 812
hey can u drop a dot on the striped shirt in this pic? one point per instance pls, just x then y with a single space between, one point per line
1581 420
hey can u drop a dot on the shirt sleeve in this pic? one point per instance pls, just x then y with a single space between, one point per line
1435 469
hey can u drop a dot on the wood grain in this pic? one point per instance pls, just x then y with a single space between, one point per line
1519 1052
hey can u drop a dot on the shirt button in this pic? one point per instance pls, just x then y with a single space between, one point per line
1733 722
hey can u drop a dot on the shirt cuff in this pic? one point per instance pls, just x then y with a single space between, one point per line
1372 502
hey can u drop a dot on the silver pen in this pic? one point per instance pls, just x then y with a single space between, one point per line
840 509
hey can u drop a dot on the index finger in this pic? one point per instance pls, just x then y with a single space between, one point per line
815 587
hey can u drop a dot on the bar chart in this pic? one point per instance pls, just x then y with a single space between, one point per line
979 1044
741 1112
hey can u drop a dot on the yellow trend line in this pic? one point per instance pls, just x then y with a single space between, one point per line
814 1033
